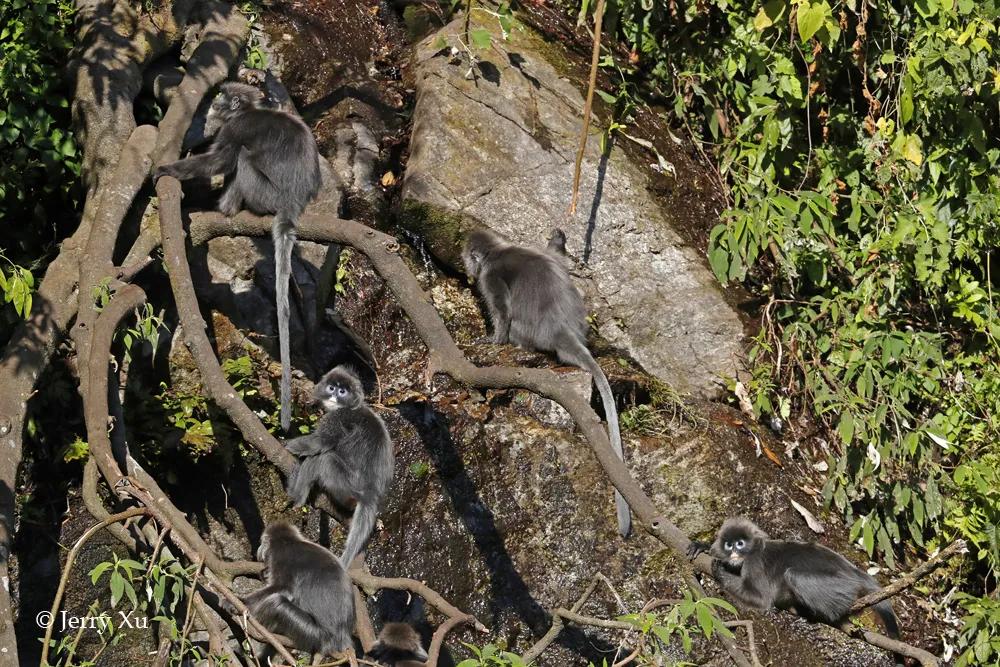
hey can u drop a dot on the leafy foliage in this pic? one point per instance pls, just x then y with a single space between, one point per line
39 169
858 142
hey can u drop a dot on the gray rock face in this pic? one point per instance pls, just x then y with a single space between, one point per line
499 148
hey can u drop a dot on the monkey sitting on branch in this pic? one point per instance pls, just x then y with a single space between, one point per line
806 578
271 166
348 456
533 303
307 595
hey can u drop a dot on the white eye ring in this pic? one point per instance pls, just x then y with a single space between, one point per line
728 545
740 544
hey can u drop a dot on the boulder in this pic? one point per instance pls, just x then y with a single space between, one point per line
495 144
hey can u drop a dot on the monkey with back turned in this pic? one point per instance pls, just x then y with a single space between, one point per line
348 456
271 164
307 595
399 645
813 581
533 303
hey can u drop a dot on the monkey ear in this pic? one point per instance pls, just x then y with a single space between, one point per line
234 104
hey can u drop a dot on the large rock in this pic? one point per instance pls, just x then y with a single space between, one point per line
498 146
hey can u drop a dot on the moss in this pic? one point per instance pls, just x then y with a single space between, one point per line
442 230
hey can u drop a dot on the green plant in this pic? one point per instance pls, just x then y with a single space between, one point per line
18 285
858 148
39 170
419 469
678 623
491 656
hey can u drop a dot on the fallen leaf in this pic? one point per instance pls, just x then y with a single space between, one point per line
814 525
388 179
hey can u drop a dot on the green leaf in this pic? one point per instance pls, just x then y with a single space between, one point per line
607 97
810 18
481 38
117 587
705 619
98 570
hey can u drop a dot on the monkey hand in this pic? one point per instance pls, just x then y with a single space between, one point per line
696 548
159 172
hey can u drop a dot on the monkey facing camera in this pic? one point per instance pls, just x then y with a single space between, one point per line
533 303
270 163
809 579
348 457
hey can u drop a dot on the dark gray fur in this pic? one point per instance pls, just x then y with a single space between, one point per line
399 645
533 303
271 165
307 595
809 579
348 456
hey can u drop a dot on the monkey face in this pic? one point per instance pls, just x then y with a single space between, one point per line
338 389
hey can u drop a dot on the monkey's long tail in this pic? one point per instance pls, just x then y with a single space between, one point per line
888 616
362 524
283 234
586 359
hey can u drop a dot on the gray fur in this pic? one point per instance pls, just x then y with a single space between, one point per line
307 595
807 578
271 165
348 456
399 645
533 303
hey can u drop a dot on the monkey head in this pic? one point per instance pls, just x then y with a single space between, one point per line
233 99
478 244
340 388
275 533
396 643
737 539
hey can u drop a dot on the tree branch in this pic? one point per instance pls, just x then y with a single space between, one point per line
322 225
909 579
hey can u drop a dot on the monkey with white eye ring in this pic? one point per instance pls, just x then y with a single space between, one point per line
348 456
809 579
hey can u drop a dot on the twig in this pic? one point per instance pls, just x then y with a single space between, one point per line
70 559
588 105
188 616
362 622
751 643
909 579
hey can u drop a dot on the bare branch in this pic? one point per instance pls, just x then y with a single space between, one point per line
588 105
909 579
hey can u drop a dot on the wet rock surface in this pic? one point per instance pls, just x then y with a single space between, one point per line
496 143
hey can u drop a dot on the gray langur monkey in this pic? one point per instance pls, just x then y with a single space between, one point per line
307 595
809 579
399 645
348 456
533 303
271 164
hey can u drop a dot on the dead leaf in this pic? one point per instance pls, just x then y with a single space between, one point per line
388 179
743 396
814 525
